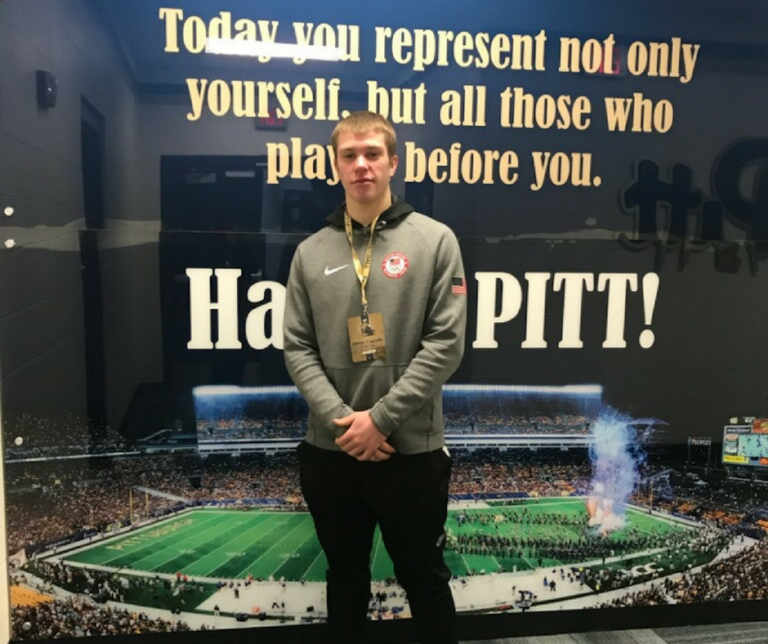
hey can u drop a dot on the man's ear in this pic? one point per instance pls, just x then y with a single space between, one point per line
392 165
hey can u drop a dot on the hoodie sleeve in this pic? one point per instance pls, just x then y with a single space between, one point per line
442 343
301 353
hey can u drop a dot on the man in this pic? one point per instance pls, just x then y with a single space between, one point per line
374 325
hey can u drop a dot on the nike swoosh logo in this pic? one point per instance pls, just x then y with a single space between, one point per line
331 271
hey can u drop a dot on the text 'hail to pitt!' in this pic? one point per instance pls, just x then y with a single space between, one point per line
501 298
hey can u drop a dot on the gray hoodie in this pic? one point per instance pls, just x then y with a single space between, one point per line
424 311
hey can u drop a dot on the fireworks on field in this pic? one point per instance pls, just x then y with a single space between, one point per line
615 458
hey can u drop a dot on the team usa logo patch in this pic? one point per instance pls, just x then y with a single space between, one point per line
395 265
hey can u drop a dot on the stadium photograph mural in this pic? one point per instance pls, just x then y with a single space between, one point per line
608 423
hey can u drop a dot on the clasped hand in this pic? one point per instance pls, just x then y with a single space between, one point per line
363 440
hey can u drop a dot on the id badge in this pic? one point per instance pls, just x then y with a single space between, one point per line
366 337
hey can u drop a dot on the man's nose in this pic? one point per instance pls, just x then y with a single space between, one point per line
360 161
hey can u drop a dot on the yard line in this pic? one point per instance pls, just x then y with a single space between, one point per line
376 551
240 540
151 543
296 528
177 546
132 535
280 524
526 560
213 554
661 519
317 556
650 526
285 542
307 538
305 518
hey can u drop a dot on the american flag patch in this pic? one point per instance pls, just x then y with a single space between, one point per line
458 286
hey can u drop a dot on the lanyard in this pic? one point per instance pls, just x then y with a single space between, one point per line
363 270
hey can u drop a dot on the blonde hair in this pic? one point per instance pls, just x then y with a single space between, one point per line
365 121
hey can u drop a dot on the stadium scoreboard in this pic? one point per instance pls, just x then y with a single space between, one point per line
746 443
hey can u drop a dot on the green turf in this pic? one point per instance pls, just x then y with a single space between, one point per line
231 544
525 558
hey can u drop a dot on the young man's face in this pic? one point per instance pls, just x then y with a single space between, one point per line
365 167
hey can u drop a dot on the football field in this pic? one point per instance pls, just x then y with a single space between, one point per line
555 519
232 544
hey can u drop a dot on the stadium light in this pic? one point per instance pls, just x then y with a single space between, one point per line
227 47
234 390
568 390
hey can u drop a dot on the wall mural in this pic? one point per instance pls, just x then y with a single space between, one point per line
607 180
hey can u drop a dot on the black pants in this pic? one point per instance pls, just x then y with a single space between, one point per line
408 497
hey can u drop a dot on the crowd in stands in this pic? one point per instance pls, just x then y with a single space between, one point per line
741 576
653 596
250 476
244 428
49 501
724 503
487 471
79 617
33 436
727 494
517 424
518 413
247 417
214 430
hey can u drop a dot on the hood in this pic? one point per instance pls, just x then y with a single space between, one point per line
396 211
